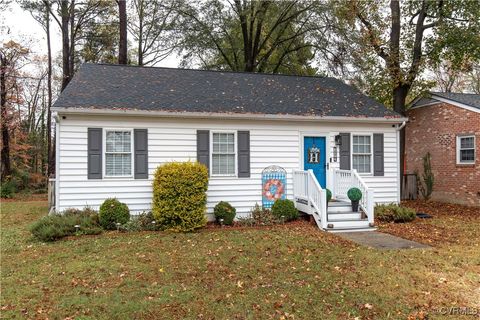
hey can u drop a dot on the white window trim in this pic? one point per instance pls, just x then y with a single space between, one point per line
235 148
104 151
458 148
371 152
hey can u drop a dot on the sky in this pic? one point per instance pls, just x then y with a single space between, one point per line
18 25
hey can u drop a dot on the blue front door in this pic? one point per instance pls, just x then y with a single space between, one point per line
314 157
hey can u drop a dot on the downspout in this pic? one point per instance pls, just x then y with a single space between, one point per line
400 174
57 161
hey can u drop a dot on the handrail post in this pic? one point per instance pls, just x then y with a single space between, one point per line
323 208
370 207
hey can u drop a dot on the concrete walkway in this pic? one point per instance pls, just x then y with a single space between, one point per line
379 240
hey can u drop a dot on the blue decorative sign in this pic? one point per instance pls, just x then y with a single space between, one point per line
274 185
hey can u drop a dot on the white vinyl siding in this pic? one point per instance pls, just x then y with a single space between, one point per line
118 153
271 143
362 153
466 149
223 154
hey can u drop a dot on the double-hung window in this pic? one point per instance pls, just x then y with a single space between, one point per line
223 154
466 149
362 153
118 153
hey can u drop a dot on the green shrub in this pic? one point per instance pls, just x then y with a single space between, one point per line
259 217
354 194
57 226
329 195
7 189
112 212
285 208
141 222
180 196
394 213
224 210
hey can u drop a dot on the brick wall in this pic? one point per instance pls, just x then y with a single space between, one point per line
434 129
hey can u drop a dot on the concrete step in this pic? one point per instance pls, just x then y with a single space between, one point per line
348 215
356 229
348 224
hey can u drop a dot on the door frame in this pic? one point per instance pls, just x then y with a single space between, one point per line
321 134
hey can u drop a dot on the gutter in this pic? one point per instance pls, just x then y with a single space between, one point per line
404 123
224 116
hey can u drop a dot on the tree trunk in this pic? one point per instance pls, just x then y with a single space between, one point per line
122 48
6 168
65 44
50 159
140 33
399 97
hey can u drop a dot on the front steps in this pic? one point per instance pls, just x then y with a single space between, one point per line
341 218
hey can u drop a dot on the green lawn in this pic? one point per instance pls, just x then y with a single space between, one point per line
293 271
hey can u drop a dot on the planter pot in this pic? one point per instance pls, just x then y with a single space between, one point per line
355 206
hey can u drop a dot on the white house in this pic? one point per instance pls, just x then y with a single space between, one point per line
116 124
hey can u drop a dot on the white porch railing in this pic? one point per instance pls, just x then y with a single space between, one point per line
343 180
310 197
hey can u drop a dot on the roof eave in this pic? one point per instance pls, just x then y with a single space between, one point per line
218 115
441 99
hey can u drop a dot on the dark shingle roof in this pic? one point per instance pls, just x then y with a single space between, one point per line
470 99
118 87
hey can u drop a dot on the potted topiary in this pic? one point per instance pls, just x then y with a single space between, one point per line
354 194
329 196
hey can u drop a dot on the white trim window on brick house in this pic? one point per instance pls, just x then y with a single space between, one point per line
118 153
466 149
362 153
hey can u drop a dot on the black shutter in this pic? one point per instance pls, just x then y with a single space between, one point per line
203 147
243 154
378 159
94 153
141 153
345 151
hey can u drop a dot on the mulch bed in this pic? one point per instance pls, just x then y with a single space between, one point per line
443 228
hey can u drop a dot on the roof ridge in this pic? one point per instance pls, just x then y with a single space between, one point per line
213 71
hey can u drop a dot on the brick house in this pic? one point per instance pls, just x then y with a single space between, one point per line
448 126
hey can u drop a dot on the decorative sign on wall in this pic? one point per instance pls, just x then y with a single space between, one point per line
274 185
313 155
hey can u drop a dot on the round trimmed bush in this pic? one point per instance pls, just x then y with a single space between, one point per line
112 212
329 195
224 210
354 194
285 208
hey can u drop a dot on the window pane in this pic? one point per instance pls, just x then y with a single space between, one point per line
223 164
467 155
362 163
466 143
118 164
118 141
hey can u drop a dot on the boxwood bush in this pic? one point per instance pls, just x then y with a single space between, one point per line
180 196
285 208
224 210
112 212
56 226
394 213
354 194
